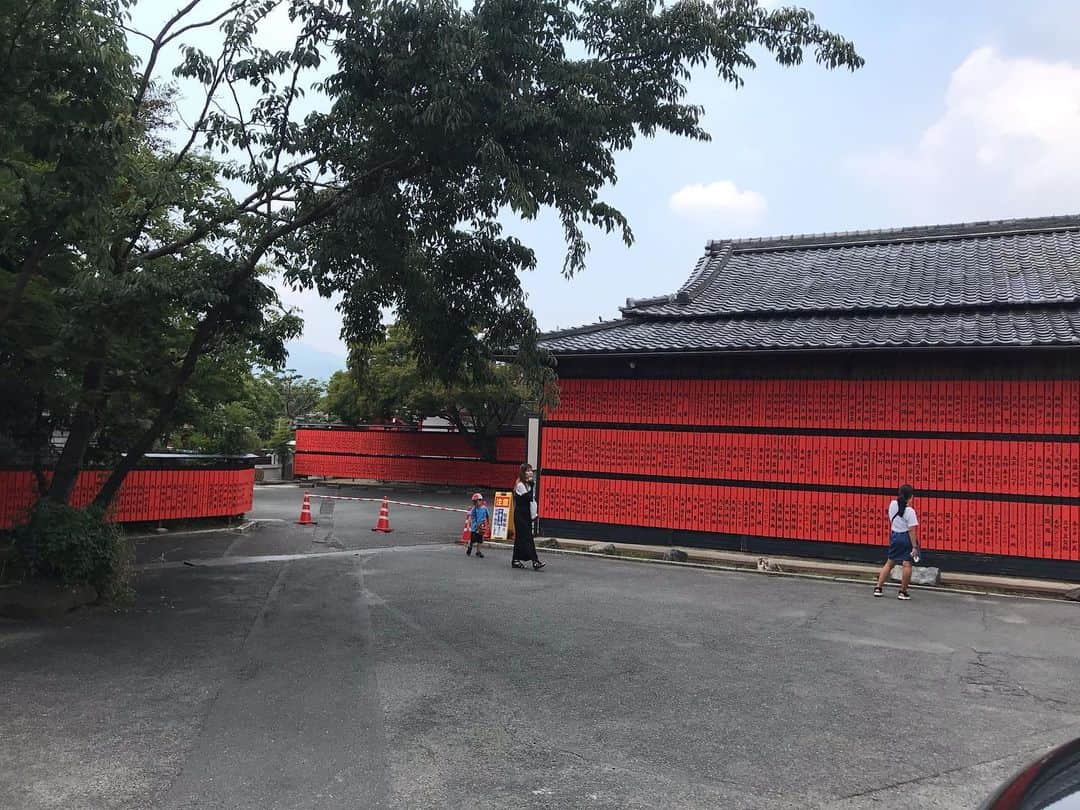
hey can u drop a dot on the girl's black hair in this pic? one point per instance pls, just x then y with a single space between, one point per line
906 493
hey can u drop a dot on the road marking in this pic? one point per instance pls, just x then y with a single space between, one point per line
226 562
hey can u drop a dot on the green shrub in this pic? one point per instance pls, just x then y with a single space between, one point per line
75 547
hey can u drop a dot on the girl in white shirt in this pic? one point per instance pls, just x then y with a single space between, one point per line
903 541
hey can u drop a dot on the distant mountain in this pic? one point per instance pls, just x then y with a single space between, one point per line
312 362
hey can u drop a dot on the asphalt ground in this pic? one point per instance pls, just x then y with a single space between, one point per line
341 525
259 671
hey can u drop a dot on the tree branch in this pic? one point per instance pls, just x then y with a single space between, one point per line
18 32
128 29
259 196
205 23
284 123
240 116
28 270
222 66
155 52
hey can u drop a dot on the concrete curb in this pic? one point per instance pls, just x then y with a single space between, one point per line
243 528
806 568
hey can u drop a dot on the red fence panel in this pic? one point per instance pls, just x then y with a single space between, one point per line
145 495
1012 443
1009 528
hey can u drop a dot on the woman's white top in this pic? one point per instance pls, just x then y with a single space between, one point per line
521 489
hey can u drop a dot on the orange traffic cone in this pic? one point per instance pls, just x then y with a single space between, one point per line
384 517
466 535
487 529
305 512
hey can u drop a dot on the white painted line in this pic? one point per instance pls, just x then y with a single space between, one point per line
228 562
240 529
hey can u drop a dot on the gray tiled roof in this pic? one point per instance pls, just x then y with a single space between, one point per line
1013 283
1048 326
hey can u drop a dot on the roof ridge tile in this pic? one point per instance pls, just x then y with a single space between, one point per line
596 326
980 228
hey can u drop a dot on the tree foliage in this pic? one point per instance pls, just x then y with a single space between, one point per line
371 157
385 382
233 409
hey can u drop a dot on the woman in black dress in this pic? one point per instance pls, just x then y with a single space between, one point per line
524 515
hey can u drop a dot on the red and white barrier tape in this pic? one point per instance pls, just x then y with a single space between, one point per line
395 503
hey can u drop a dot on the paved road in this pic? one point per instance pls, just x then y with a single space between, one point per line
400 673
342 525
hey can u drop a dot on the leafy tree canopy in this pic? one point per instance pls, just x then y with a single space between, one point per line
142 238
385 382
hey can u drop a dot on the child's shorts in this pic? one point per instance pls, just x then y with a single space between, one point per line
476 537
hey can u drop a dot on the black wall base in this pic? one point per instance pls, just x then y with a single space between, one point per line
946 560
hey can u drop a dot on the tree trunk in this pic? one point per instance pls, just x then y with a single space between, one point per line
479 439
487 445
83 427
26 272
42 435
133 456
162 421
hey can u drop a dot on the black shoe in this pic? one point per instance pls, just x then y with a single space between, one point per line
479 554
878 592
468 551
517 563
903 595
537 565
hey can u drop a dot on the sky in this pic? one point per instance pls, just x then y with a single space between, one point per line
965 110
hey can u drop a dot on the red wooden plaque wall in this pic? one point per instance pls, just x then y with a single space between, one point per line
996 463
420 457
145 494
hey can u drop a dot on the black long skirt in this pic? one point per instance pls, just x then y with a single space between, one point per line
524 547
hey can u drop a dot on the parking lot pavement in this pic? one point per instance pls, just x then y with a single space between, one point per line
409 675
341 525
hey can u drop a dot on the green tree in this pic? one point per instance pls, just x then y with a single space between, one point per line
432 120
379 384
385 381
226 429
296 396
230 407
65 74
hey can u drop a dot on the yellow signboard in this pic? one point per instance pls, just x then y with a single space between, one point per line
502 515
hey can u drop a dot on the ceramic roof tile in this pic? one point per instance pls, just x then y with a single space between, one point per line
1002 283
1044 326
1006 263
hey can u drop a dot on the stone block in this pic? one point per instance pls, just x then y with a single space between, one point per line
920 574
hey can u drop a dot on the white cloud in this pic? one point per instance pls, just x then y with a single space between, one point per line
721 200
1006 144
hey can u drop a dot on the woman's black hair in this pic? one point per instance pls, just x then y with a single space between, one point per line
521 471
905 494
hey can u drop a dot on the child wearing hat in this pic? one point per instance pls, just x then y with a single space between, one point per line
478 517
